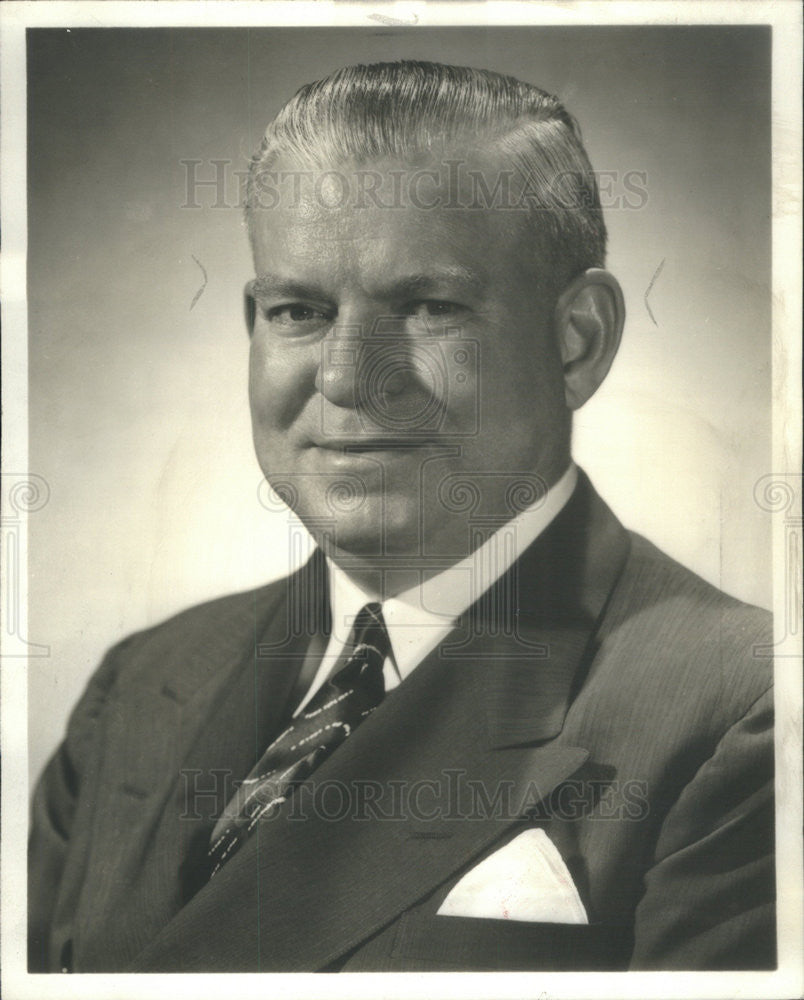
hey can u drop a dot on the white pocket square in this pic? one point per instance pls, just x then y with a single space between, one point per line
525 880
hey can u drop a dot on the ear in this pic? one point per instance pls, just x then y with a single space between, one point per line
589 319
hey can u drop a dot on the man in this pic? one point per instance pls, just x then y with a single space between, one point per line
484 727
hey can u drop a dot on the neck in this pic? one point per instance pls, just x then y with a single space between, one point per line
384 575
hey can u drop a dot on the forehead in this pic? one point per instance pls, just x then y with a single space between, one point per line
386 217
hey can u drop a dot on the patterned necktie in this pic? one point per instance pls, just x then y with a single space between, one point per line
352 692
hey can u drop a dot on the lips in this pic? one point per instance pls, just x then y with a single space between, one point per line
361 445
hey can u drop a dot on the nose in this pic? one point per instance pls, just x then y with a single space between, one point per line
365 365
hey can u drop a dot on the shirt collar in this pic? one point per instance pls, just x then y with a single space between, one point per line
419 618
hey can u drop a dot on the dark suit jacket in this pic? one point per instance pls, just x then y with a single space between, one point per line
599 690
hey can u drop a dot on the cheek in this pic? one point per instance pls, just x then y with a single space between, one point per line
259 383
520 393
276 386
520 367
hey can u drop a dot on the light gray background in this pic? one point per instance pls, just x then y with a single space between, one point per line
138 411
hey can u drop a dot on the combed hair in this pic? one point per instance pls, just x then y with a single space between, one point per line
368 112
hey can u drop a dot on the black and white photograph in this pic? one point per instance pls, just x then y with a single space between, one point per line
401 499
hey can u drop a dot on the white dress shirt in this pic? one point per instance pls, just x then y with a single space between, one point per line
419 618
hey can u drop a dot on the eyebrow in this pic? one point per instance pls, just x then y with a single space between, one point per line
272 284
422 284
408 286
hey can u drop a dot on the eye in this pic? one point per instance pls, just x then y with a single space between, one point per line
433 317
433 309
296 317
294 313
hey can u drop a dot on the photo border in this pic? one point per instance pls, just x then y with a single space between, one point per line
785 19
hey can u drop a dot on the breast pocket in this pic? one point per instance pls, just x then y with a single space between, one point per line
451 944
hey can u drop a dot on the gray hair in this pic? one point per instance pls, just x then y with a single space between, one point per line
367 112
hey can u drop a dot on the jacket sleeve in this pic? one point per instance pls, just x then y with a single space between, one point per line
709 901
53 811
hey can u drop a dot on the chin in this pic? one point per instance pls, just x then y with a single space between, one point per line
365 538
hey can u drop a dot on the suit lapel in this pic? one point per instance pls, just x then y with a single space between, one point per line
558 591
443 767
258 642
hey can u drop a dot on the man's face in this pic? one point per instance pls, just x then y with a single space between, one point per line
403 375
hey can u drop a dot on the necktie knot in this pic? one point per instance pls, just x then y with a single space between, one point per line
366 649
360 669
369 629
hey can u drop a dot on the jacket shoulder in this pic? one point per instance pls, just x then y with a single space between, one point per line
210 615
204 633
677 640
678 590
